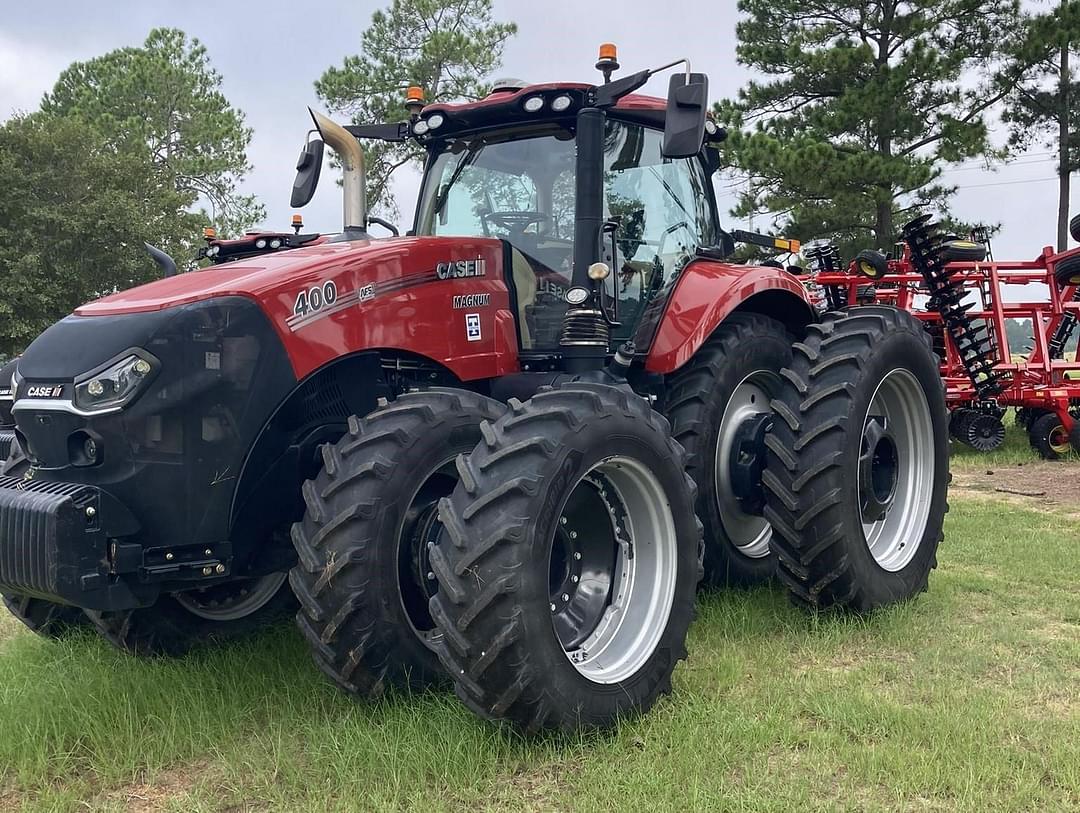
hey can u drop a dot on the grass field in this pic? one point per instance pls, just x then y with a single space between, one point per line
966 699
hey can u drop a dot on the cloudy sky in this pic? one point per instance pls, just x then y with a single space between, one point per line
271 52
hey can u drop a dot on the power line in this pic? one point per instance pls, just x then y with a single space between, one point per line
1008 183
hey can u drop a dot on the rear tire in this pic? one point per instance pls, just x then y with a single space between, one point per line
363 577
858 462
526 641
1048 437
734 376
178 622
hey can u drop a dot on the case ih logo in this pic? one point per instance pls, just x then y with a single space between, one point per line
458 269
44 391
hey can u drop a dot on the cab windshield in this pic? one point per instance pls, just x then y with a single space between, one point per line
519 187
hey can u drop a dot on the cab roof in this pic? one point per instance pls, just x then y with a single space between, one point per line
507 105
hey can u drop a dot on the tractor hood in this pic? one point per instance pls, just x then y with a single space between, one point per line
332 299
255 277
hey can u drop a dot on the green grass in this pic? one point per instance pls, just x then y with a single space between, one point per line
966 699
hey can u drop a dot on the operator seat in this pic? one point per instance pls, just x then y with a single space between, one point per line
525 283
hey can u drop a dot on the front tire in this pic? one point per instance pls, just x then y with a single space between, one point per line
858 462
363 577
568 568
726 386
176 623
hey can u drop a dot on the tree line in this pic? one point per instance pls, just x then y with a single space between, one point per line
859 110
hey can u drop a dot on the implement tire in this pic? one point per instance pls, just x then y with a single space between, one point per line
858 463
569 562
363 578
732 378
1048 437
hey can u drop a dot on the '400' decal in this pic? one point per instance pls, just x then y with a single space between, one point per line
315 299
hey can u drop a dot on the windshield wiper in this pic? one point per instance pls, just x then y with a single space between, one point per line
671 192
467 158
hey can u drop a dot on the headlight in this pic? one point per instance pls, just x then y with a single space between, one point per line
114 386
435 121
419 127
561 103
16 380
534 104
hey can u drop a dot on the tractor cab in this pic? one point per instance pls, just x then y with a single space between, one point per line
600 196
518 184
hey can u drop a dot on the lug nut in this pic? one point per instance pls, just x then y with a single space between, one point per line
574 578
553 608
208 552
91 512
577 554
573 534
565 597
431 575
208 571
169 557
219 569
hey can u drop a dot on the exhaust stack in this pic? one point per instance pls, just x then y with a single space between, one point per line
352 164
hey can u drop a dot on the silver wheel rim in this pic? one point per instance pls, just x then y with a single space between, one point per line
901 406
249 596
642 587
749 533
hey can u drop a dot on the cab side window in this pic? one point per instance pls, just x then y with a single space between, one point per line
664 211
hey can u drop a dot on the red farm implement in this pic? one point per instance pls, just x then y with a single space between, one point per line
964 300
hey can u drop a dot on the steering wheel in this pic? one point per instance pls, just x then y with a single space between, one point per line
514 221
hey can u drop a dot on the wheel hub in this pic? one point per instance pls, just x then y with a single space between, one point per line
420 531
231 601
740 457
583 559
610 621
748 462
878 470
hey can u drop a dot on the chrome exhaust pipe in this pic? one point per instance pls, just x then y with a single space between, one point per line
351 156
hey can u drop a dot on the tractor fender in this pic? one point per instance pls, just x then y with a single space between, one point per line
708 292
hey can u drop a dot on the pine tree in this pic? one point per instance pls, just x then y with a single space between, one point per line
862 105
446 47
1044 106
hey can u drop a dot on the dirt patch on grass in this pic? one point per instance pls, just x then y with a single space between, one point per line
166 788
1040 486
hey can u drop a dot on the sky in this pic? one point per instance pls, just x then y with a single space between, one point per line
270 58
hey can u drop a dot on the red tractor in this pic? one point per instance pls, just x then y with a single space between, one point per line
502 449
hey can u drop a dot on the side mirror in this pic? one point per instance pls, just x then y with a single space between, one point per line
308 169
687 104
